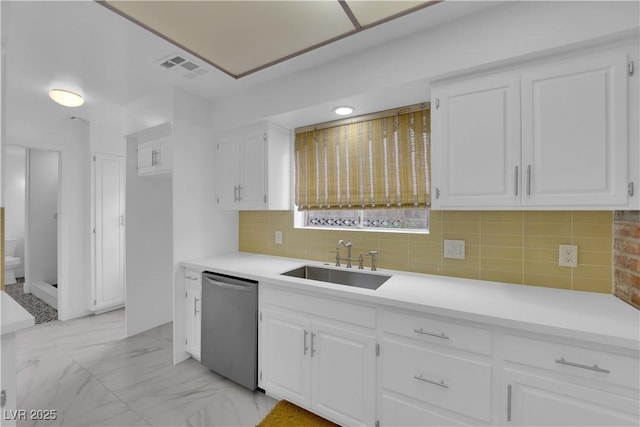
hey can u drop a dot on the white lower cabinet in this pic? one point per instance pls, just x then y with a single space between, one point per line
535 399
328 367
322 354
343 373
284 353
193 303
427 379
552 384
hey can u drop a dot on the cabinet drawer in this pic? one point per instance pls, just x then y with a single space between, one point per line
397 412
193 276
336 310
447 334
455 383
583 362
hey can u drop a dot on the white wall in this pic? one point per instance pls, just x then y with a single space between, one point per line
42 182
149 220
508 31
105 130
28 128
149 254
199 227
14 199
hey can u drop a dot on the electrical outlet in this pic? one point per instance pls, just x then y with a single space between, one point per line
454 249
568 256
278 237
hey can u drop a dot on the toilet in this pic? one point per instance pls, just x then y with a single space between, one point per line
10 261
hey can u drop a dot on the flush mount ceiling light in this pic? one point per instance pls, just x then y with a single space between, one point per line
344 110
66 97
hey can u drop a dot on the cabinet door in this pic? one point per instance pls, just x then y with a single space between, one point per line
108 239
343 374
285 356
228 172
476 142
574 132
164 155
146 157
253 185
535 400
193 306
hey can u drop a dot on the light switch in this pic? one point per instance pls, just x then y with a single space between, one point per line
278 237
454 249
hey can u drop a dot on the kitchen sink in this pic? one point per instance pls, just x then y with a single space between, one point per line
358 279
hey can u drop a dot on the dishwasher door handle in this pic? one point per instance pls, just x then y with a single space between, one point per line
238 287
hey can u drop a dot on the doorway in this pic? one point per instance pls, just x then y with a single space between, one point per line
32 197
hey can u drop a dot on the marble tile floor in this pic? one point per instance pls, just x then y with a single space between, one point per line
92 375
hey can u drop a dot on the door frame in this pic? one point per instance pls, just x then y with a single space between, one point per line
62 240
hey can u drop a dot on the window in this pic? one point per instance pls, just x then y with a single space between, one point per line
370 173
398 220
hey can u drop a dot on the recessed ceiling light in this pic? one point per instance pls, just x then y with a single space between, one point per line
344 110
66 97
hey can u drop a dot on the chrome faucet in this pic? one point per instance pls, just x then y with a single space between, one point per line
346 244
373 255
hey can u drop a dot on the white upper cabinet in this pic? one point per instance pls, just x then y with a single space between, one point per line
479 121
155 157
253 168
574 132
553 134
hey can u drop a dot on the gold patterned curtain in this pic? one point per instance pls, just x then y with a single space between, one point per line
378 163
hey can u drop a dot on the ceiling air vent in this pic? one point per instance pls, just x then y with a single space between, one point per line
187 67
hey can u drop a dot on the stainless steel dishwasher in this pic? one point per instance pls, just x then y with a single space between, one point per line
230 327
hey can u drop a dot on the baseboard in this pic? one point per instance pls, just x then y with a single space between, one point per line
46 293
107 309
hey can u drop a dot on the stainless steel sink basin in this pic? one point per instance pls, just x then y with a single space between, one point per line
358 279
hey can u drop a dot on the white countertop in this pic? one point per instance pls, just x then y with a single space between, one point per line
13 316
589 316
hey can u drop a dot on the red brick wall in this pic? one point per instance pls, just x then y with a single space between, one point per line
626 256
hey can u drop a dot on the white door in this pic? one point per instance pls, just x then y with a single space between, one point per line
164 155
476 142
343 363
109 188
146 157
574 132
285 358
253 191
533 400
228 173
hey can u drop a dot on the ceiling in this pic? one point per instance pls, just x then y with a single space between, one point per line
243 37
85 47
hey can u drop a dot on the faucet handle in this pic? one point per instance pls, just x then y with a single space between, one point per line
374 256
337 252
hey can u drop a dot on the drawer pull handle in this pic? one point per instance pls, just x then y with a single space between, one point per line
191 277
431 334
580 365
440 383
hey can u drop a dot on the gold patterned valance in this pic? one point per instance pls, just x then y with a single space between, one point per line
378 163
